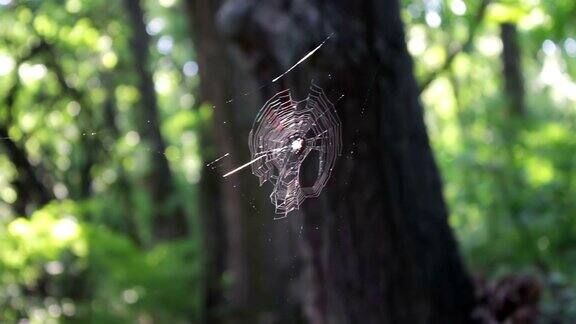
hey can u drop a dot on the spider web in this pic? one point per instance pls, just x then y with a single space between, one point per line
283 135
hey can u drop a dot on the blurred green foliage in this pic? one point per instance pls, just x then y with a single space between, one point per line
54 264
69 99
509 180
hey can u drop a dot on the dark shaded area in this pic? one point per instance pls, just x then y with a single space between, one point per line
309 169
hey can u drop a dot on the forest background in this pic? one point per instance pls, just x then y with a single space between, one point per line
110 214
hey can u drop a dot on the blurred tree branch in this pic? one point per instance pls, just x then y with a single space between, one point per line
31 182
464 47
89 143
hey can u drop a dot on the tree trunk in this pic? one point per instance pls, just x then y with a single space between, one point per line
515 110
215 72
380 247
513 82
169 218
235 205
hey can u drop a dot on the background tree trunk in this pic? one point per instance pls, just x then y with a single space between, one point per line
380 247
169 218
512 72
216 72
257 265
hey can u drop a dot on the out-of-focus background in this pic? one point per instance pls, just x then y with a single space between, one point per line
109 214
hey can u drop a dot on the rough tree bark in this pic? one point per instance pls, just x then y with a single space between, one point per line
169 218
379 242
232 206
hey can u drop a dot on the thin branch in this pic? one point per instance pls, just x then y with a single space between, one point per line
464 47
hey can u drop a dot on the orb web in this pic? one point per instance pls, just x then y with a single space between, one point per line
284 133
